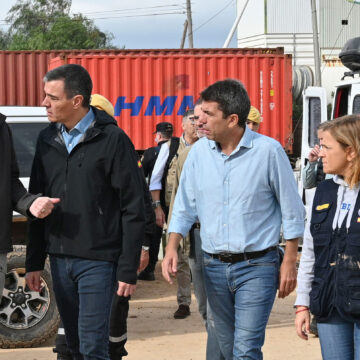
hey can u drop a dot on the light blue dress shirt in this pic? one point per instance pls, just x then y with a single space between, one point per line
241 200
77 133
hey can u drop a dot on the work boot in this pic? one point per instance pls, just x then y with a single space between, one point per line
146 275
182 312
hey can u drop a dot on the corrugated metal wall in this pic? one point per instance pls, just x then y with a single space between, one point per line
146 90
21 72
288 16
333 34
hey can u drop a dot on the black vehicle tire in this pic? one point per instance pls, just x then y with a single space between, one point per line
27 318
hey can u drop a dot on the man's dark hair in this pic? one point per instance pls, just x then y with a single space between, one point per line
166 134
77 81
188 113
232 98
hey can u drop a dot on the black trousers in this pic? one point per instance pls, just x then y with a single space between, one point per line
118 330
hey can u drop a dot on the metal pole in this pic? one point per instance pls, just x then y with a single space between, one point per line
316 44
236 23
189 20
184 35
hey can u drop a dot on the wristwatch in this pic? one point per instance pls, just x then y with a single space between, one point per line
146 248
155 204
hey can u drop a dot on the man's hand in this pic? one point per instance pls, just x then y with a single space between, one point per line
169 264
314 153
43 206
287 278
33 280
288 273
302 322
144 260
160 216
125 289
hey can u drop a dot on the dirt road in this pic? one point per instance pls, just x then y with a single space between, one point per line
155 335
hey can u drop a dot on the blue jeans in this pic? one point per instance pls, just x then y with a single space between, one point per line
241 296
339 339
84 290
196 266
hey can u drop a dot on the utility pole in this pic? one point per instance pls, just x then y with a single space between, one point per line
316 44
189 20
236 23
184 35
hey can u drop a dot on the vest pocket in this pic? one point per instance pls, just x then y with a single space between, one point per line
352 300
321 296
322 251
316 296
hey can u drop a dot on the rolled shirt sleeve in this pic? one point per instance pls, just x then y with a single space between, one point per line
285 189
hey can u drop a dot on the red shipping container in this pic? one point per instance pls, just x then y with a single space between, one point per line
146 90
22 72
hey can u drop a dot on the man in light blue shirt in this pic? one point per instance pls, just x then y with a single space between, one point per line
240 186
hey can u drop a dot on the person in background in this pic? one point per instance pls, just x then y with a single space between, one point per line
163 134
239 185
163 190
13 196
95 234
329 274
254 119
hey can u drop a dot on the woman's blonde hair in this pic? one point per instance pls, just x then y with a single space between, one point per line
346 131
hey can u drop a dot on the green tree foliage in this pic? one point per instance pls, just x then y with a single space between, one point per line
48 25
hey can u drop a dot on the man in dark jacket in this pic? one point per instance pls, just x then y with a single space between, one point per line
94 235
13 196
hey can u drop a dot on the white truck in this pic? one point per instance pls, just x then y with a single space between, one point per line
346 101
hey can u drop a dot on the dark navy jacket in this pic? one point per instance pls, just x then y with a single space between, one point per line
336 283
101 214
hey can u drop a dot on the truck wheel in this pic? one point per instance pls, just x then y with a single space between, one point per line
27 318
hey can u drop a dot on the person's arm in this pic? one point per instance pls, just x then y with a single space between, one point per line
293 213
309 175
126 179
304 279
149 228
169 263
155 185
184 215
23 202
36 247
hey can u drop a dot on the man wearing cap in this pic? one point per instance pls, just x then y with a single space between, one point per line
161 185
163 134
254 119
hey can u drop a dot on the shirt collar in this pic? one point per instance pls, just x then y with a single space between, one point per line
83 124
183 140
246 141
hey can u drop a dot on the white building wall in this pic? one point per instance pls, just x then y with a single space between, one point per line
334 34
252 22
288 16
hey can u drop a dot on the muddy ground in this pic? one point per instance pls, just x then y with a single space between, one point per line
154 334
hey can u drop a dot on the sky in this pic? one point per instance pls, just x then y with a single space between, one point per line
136 24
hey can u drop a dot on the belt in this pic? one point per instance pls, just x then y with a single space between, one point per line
234 258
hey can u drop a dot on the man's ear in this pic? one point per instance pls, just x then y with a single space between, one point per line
77 101
233 120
